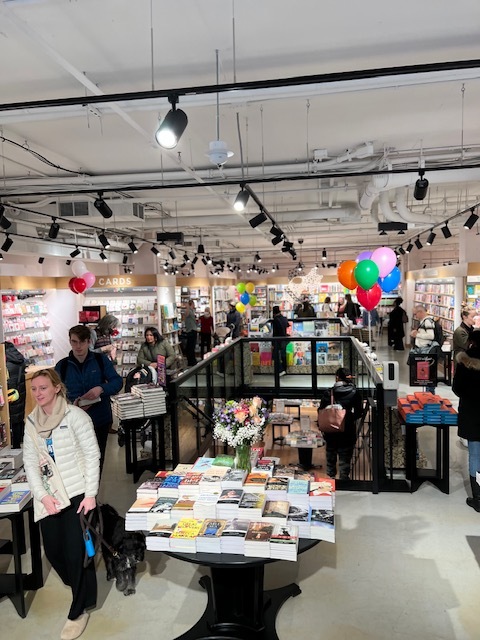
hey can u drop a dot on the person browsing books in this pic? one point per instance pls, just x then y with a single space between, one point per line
155 345
91 381
341 444
190 328
206 331
60 442
463 333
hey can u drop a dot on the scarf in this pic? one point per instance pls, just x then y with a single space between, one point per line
44 423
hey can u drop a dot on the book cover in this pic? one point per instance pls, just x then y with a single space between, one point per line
190 480
277 483
163 506
13 500
230 496
212 528
276 509
144 503
256 479
235 476
298 487
162 530
252 501
184 503
259 532
201 464
171 482
187 528
285 535
181 469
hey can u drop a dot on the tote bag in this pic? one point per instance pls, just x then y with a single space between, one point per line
332 418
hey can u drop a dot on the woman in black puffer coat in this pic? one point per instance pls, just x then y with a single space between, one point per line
342 444
16 365
466 383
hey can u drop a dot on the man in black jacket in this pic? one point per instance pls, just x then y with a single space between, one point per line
280 325
16 365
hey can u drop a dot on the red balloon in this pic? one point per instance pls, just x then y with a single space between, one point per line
70 285
78 285
369 299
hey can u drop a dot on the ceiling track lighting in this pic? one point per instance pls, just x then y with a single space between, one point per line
102 207
132 246
275 231
258 219
209 260
172 126
7 244
172 254
324 254
382 233
125 259
103 256
1 256
409 248
277 240
241 199
4 221
41 260
186 258
401 232
200 248
401 250
54 229
421 186
418 244
194 261
446 231
472 219
257 257
104 240
68 262
76 252
155 251
431 238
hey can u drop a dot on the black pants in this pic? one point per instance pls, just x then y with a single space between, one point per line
65 550
101 431
191 343
280 355
345 454
205 343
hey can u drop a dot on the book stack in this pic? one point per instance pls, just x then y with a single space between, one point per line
206 504
233 536
13 456
158 538
127 406
256 481
202 464
9 475
13 501
149 488
170 485
234 479
160 511
322 493
265 465
298 492
276 511
227 505
183 508
152 397
322 525
183 539
251 506
284 542
210 535
136 516
299 516
257 540
190 483
276 488
212 479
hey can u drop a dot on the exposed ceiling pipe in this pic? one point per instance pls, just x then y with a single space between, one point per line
406 214
386 209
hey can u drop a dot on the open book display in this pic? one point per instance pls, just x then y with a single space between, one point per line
182 513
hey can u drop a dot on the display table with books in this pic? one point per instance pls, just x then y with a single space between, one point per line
238 606
14 585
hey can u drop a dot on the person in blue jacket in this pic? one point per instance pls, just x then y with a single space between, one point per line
91 380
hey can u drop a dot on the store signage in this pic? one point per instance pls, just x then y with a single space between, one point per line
423 370
114 281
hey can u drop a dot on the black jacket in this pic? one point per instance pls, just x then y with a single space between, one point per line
346 394
466 383
16 365
279 325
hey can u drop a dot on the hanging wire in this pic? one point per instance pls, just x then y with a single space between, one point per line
240 146
218 96
307 124
263 149
151 45
463 114
233 43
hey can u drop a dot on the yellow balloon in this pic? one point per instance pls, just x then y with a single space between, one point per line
240 307
249 287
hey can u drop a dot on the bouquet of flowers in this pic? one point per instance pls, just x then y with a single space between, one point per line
240 423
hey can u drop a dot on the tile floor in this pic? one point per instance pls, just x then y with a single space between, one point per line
404 566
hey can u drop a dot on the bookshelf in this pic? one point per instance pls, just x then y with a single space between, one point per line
276 296
170 327
26 324
260 309
472 294
440 301
220 298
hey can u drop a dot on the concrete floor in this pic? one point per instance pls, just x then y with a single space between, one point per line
404 566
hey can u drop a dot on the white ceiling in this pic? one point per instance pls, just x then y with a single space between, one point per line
54 49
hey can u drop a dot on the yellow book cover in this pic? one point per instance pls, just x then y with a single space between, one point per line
187 528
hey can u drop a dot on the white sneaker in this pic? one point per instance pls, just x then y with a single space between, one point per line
282 373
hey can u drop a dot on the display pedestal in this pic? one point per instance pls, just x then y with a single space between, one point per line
440 476
154 462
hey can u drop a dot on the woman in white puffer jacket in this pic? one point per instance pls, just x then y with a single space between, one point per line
61 435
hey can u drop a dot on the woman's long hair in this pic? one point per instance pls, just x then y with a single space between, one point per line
155 333
106 325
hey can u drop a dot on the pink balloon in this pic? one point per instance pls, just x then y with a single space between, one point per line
365 255
369 299
385 259
89 278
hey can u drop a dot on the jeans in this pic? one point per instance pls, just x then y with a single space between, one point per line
473 457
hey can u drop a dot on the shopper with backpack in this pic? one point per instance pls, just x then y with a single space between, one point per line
91 380
424 335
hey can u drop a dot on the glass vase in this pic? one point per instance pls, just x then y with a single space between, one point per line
242 457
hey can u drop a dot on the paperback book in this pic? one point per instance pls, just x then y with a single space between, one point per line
13 500
233 536
257 540
284 542
158 538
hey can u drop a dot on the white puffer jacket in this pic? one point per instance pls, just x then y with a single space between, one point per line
76 455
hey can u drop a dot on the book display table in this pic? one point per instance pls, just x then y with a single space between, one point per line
238 607
440 476
132 427
15 584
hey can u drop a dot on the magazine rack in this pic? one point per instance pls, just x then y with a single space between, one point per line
15 584
238 607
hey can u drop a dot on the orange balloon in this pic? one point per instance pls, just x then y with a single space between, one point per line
345 274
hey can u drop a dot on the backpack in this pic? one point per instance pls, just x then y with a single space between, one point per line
438 333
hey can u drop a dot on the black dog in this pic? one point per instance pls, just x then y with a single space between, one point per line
130 546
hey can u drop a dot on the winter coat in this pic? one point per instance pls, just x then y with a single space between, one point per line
280 325
148 353
80 379
76 455
16 365
466 383
396 326
306 312
234 319
346 394
425 332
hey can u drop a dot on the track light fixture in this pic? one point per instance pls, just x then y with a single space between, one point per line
275 231
200 249
257 257
194 261
155 251
54 229
172 254
273 268
208 259
125 259
446 231
418 244
4 221
421 186
409 247
1 256
186 258
277 239
132 246
172 126
76 252
204 260
103 256
382 233
401 250
324 254
431 238
241 200
41 260
7 244
258 219
102 207
472 219
104 240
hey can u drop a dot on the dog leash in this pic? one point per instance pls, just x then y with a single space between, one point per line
87 526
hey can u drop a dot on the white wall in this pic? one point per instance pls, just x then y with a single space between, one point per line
63 307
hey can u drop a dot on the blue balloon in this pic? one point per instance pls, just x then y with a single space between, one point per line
391 281
245 298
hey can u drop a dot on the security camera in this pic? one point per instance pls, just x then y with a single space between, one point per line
300 241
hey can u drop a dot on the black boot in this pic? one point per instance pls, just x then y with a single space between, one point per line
474 501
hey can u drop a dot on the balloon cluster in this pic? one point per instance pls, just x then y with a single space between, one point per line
83 279
372 273
246 296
